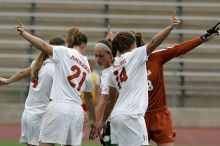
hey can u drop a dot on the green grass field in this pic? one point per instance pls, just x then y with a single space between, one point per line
13 143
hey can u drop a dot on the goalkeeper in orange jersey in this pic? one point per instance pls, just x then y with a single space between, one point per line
158 118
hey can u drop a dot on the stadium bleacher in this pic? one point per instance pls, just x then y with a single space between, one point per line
196 83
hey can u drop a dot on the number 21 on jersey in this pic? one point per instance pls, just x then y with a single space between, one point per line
121 76
76 74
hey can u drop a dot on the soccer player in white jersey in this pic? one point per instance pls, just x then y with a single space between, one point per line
63 119
127 122
128 88
41 72
104 58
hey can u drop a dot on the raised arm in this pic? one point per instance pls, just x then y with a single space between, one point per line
169 53
37 42
161 36
110 35
16 77
211 33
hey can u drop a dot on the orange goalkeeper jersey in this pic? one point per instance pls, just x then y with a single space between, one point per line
156 60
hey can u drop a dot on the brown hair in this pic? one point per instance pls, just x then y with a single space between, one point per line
56 40
123 41
139 39
75 37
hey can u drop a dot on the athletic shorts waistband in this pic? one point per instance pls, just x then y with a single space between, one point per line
66 101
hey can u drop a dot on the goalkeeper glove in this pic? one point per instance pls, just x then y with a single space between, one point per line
214 31
106 138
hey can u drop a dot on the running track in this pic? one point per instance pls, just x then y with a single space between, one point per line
194 136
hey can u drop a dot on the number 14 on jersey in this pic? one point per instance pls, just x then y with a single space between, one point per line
121 76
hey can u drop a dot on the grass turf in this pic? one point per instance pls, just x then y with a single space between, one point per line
14 143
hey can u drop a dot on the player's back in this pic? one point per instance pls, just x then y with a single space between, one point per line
155 78
39 90
72 75
129 77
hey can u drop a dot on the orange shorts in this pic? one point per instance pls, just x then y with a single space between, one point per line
159 126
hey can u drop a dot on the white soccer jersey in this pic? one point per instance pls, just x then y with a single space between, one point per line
128 76
104 81
72 75
39 90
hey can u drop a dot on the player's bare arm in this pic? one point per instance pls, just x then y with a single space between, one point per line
100 106
161 36
113 96
16 77
37 42
110 35
91 110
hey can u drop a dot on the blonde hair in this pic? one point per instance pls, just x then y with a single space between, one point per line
37 65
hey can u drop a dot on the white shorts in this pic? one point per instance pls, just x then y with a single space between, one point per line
62 123
129 130
30 128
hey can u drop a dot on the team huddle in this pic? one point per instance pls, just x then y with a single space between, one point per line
132 108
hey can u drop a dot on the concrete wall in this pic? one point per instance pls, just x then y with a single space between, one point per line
10 113
196 117
182 117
